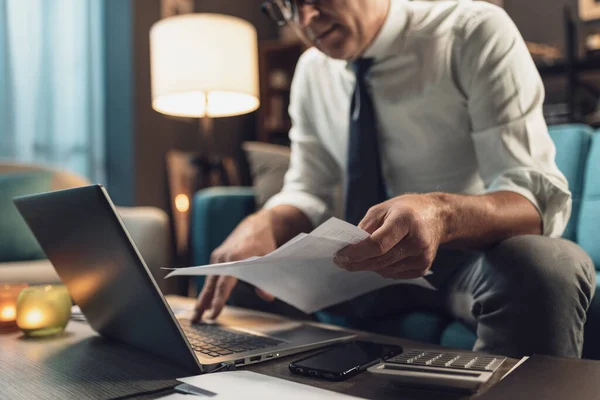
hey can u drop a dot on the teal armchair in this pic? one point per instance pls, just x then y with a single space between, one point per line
216 211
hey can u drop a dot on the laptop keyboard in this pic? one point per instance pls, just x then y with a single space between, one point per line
448 360
217 341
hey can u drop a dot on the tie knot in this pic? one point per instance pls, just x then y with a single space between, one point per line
361 66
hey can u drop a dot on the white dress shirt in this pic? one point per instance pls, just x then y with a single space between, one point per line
459 107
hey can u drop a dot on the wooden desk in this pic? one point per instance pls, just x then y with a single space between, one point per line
82 365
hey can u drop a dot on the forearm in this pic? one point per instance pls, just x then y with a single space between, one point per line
286 222
476 222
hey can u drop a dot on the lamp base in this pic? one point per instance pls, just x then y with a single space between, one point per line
44 332
217 171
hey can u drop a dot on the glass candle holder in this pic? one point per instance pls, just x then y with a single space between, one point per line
43 310
8 305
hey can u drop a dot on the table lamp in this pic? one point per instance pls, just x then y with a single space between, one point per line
202 66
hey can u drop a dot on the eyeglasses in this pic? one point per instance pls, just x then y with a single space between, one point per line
284 11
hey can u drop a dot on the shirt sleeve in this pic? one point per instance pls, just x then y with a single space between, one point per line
505 95
313 173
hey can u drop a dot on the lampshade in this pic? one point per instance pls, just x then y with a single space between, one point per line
198 55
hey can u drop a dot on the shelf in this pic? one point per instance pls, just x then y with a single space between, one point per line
277 62
285 126
285 91
584 65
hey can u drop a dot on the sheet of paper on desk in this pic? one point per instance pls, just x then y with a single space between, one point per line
250 385
302 272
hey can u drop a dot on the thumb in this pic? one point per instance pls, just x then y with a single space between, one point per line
264 295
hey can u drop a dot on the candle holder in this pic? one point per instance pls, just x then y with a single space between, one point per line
8 306
43 310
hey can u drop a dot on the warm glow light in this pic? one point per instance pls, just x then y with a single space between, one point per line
182 203
43 310
197 59
9 313
34 317
192 104
8 305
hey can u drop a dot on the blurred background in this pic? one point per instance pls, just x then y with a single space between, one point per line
78 93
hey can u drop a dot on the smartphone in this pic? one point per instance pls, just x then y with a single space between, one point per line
344 360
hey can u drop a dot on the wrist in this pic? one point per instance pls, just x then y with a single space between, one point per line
285 222
442 205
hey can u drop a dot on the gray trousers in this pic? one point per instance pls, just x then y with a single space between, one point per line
528 294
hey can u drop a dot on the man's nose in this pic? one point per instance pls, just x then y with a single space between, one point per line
306 14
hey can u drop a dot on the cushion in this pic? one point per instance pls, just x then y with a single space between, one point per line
215 213
33 272
268 165
422 326
458 336
572 146
17 243
588 228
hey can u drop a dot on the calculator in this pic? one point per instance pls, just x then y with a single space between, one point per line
455 371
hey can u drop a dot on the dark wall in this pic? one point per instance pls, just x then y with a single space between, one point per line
246 9
540 20
155 134
543 21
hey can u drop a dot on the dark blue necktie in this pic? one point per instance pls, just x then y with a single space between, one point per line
364 181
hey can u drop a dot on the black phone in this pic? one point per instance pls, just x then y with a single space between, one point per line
345 360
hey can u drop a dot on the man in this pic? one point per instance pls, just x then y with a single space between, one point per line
431 115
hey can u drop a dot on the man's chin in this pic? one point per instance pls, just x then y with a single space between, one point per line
338 51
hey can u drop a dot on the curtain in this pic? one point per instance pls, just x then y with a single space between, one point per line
52 84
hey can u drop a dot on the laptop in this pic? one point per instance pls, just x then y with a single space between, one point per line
86 241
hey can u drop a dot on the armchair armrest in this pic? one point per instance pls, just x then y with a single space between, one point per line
215 213
150 231
147 226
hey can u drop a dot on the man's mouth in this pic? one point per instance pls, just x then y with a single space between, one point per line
325 34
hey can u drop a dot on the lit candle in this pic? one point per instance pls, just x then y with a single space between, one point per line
43 310
8 305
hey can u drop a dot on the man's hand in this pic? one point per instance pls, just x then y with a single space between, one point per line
253 237
406 232
257 235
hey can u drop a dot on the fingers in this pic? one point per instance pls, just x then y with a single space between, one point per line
205 298
213 288
403 250
410 268
372 220
222 292
215 293
392 231
360 251
386 237
266 296
218 256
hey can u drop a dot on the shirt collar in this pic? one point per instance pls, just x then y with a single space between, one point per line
387 39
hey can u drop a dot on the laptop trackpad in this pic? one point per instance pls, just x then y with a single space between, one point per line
306 334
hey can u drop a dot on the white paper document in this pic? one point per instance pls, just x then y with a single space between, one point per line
302 272
249 385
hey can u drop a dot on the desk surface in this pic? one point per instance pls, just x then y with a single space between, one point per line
80 364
